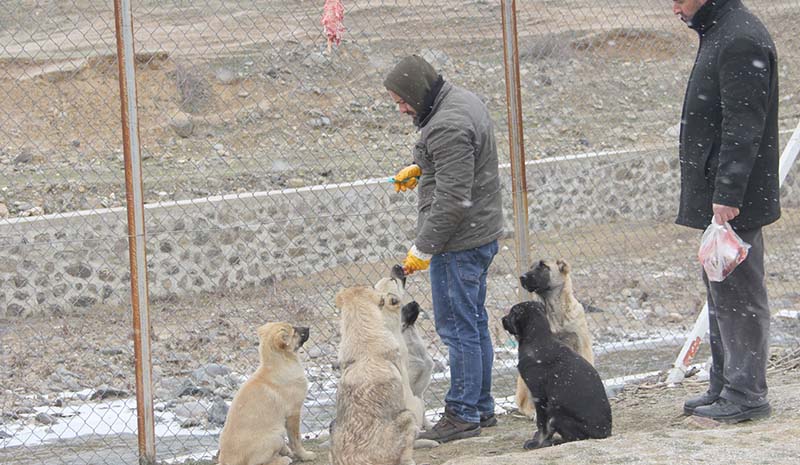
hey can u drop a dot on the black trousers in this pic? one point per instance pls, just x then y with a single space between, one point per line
739 318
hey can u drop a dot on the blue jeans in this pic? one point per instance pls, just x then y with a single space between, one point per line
458 285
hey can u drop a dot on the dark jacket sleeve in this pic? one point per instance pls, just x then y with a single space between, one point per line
744 90
453 154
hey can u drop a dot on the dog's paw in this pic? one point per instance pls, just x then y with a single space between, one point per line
425 444
283 461
531 444
306 456
536 443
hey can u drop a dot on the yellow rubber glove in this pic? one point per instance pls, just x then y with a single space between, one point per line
416 261
406 178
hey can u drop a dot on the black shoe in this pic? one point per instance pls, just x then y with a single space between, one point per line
729 412
449 428
707 398
488 420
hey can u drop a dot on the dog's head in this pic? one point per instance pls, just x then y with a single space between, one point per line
527 319
281 337
383 298
396 286
395 300
545 276
369 323
355 294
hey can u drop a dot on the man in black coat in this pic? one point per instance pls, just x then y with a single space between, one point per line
729 171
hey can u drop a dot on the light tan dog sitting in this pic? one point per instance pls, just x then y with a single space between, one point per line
551 281
373 425
267 406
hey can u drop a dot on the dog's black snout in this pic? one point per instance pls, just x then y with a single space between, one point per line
525 281
398 273
410 313
302 331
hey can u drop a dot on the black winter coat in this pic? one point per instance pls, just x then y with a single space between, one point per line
729 128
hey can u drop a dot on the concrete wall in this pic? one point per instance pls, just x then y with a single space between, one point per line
69 262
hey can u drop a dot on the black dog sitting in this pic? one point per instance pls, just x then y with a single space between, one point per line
569 396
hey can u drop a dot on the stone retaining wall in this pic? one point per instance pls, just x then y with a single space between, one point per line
69 262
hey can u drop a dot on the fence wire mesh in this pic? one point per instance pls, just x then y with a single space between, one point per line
265 159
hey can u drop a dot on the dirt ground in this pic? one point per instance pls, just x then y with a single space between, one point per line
648 429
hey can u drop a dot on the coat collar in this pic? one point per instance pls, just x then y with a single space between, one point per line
441 93
709 14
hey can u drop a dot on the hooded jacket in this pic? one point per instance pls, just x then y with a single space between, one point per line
459 203
729 128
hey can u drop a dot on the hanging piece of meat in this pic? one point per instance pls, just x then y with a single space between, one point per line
332 19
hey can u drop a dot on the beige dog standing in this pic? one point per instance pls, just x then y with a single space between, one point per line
373 424
420 362
267 406
550 280
392 318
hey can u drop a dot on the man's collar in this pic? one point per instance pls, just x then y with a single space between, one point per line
430 103
708 14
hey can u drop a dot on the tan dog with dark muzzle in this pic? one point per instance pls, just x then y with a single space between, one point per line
268 405
550 280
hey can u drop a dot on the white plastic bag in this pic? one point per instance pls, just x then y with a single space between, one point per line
721 251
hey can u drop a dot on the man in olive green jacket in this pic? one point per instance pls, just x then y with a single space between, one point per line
459 220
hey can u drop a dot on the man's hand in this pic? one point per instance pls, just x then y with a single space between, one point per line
406 178
416 261
723 213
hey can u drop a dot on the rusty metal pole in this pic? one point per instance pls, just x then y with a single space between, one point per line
516 137
136 233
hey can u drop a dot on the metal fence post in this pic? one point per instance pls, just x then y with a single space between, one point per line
515 135
136 233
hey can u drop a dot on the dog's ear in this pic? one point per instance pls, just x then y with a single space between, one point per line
343 296
510 323
563 266
283 339
263 331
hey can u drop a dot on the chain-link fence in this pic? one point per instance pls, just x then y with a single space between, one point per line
265 160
